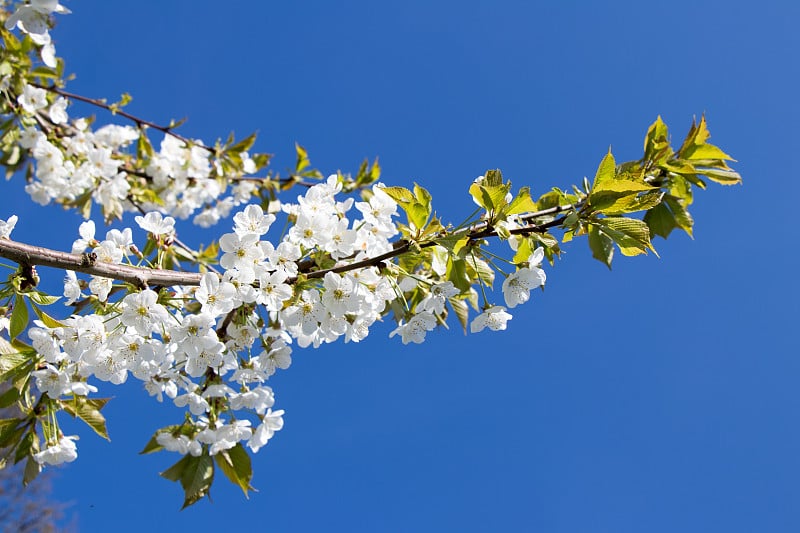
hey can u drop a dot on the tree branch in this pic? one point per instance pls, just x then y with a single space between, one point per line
27 254
116 111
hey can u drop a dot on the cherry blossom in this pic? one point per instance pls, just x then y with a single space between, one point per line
494 318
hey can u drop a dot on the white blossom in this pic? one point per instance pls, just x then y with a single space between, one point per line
142 312
494 318
271 422
64 451
416 328
154 223
517 287
32 99
7 226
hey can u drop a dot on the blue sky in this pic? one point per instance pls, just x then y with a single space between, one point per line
661 396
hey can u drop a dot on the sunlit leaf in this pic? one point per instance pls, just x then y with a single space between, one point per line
601 245
236 465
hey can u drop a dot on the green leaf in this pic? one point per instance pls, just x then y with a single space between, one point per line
152 445
601 245
46 319
422 195
457 273
235 464
243 145
144 149
197 478
302 159
28 445
42 298
480 196
461 310
12 364
706 151
481 269
401 195
460 248
633 203
546 239
88 410
620 188
632 236
660 220
8 398
374 173
19 317
682 217
175 472
695 146
418 214
6 348
497 194
195 475
490 197
493 178
11 431
522 203
32 469
44 72
615 196
7 427
606 172
722 176
656 143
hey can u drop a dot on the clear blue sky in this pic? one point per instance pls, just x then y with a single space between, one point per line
659 397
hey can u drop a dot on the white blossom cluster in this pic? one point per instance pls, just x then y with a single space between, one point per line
33 18
79 161
91 162
216 367
211 349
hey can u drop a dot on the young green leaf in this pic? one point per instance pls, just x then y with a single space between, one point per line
13 364
19 317
721 176
656 142
418 214
522 203
401 195
302 159
11 431
46 319
631 235
9 397
42 298
601 245
175 472
196 479
493 178
235 464
606 172
88 410
32 470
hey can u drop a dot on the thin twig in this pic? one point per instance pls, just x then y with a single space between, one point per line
27 254
115 111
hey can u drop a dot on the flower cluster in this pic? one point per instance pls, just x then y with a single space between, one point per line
91 162
211 349
32 18
341 265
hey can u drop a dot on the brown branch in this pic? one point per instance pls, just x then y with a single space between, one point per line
116 111
27 254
